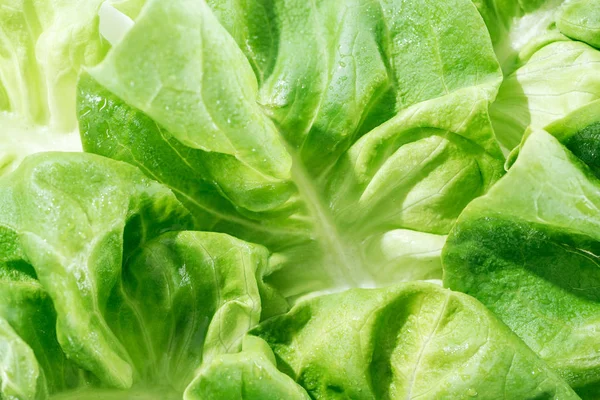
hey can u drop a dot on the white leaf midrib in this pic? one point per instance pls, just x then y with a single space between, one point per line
341 262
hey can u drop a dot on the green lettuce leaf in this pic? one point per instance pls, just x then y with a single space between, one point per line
580 20
64 220
516 25
250 374
532 40
579 131
415 340
34 362
191 296
255 155
329 161
102 288
543 89
43 47
44 44
20 371
529 251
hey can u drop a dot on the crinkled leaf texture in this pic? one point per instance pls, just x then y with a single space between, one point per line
580 20
531 256
579 131
102 287
515 25
249 374
347 165
549 54
44 45
414 340
338 161
560 77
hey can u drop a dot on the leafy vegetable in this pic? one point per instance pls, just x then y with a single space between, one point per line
526 98
252 371
118 321
580 20
580 133
265 186
413 340
547 75
535 252
43 46
267 180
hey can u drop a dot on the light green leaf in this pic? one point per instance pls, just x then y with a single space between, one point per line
87 261
415 340
20 374
529 250
116 394
203 105
43 47
579 131
364 134
544 89
372 69
20 139
26 308
516 27
68 215
405 255
547 75
422 160
580 20
248 375
184 299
